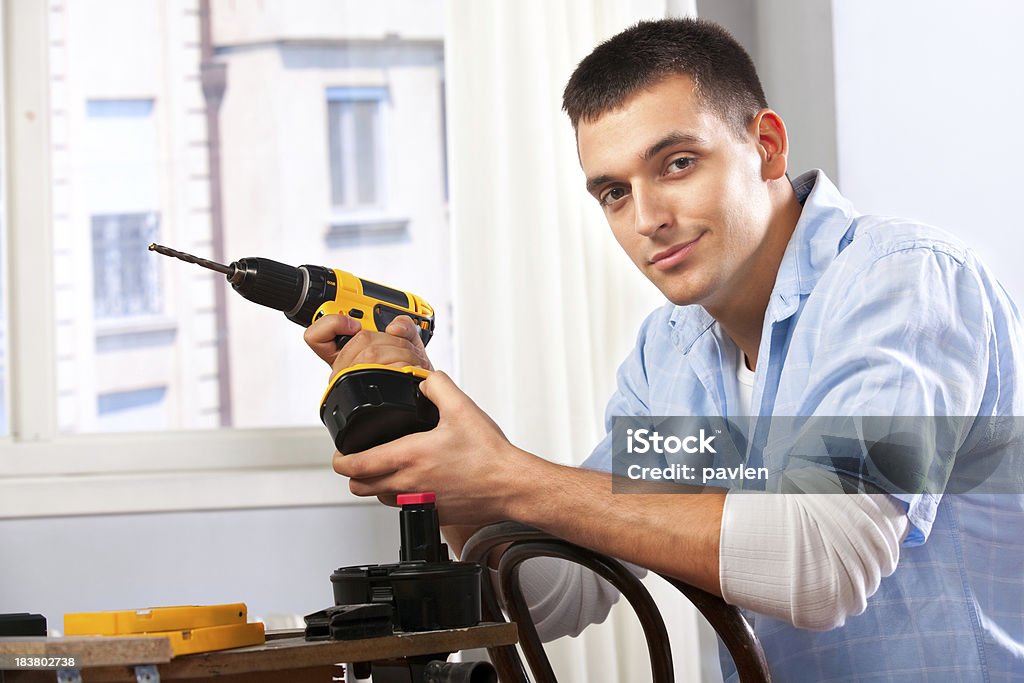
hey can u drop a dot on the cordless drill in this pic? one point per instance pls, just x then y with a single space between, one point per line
367 404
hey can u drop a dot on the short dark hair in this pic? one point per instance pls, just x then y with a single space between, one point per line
723 74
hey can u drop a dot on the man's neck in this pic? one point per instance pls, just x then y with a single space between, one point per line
743 317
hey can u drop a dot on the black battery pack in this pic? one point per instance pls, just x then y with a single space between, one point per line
426 589
369 406
426 596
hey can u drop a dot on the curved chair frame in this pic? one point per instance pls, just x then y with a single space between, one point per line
526 542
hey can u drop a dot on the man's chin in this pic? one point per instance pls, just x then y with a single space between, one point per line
681 296
682 299
680 288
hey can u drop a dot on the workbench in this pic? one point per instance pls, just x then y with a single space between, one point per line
286 656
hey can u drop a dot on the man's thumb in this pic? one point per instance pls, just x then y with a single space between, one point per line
441 390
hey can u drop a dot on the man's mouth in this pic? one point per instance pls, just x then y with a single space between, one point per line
673 256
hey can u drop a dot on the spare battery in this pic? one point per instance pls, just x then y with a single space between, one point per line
426 596
426 589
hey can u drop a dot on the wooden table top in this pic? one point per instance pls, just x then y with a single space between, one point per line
113 659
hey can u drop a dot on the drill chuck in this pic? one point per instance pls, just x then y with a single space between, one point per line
269 283
296 292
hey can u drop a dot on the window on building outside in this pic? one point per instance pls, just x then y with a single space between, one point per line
123 283
354 137
123 198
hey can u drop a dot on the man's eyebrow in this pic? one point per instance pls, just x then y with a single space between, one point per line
673 138
597 181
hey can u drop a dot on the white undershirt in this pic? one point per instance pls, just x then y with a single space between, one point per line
745 384
810 559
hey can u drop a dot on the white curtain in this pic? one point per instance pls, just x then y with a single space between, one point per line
546 303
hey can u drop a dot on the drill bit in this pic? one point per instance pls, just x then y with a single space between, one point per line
189 258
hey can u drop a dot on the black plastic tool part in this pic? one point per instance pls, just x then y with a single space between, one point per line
268 282
350 622
22 624
320 288
421 534
366 408
459 672
426 596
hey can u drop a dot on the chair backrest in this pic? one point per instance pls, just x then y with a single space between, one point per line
524 542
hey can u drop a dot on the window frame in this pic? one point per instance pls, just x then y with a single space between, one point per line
44 473
377 96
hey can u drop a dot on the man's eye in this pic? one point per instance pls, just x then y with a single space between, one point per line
680 164
611 196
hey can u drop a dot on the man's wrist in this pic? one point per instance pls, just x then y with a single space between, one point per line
531 489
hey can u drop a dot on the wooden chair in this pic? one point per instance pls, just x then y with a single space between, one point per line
526 542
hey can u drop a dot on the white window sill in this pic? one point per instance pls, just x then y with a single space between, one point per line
365 227
135 324
216 470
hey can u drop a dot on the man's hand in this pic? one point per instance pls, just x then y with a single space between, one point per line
481 478
399 345
466 460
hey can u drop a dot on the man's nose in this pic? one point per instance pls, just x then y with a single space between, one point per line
651 211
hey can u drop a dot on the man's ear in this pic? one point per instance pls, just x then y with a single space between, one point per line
772 143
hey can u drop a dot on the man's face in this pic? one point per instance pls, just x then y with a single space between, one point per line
684 195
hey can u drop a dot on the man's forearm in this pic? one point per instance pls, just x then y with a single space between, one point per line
674 534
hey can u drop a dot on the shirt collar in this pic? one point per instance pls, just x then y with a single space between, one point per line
820 234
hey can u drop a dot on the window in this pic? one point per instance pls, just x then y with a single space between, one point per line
354 135
124 282
122 195
131 142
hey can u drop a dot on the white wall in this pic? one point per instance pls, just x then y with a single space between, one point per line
277 561
928 96
923 95
790 42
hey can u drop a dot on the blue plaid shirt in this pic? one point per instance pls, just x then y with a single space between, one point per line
872 316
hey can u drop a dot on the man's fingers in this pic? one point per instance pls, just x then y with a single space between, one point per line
378 348
321 335
369 473
404 327
369 464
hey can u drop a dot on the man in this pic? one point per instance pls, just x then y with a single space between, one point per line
782 301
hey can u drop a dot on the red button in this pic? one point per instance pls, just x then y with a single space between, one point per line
416 498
